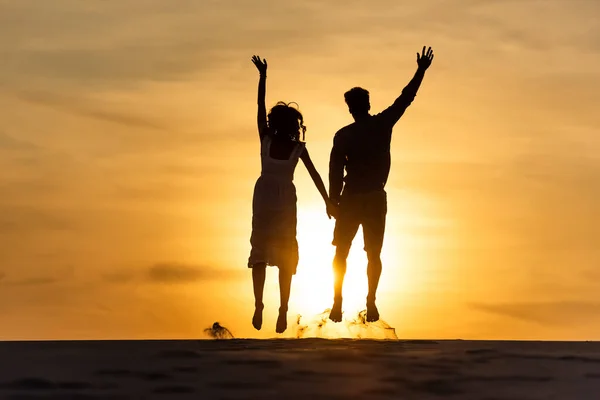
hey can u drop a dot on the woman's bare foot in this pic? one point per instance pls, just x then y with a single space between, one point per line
257 317
281 321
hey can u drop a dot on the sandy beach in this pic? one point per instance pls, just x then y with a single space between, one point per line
299 369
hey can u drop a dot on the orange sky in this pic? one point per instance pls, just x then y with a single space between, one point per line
128 155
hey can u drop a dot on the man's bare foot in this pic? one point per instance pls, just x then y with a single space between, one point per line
281 322
372 312
336 311
257 317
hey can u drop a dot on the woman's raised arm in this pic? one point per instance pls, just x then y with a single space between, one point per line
261 119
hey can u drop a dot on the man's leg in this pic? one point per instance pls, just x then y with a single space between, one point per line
374 268
374 230
339 272
345 229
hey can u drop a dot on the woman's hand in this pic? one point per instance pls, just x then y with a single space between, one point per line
261 65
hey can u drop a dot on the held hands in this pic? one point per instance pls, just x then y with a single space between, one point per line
332 209
424 60
261 65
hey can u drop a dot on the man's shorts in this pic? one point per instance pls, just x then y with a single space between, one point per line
366 209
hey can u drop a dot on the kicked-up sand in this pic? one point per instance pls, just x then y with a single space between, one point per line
299 369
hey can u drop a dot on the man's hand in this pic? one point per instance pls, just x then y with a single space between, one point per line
424 60
332 209
261 65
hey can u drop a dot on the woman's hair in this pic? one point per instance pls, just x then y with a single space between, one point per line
286 121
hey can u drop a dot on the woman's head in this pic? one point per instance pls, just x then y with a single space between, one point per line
286 121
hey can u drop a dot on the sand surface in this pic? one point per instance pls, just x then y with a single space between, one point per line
299 369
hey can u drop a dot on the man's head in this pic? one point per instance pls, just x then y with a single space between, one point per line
357 100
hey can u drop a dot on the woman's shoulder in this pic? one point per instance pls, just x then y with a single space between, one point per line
300 148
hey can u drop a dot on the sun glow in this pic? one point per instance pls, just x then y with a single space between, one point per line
312 290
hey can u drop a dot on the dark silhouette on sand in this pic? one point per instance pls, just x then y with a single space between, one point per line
217 331
273 237
363 150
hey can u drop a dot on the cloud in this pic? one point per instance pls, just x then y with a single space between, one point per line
139 41
181 273
36 281
84 108
164 273
544 313
123 46
118 277
9 142
19 219
116 46
175 273
171 273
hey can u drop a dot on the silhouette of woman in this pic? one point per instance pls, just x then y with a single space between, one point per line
273 237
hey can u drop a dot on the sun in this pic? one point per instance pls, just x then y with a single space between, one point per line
312 288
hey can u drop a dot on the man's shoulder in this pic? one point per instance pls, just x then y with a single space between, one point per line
348 129
343 133
376 118
368 124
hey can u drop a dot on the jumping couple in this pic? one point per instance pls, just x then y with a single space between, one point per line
363 150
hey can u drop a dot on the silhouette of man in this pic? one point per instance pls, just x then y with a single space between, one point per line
363 149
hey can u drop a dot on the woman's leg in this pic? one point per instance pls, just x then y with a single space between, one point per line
285 286
259 273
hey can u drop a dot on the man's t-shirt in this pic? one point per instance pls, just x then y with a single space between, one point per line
363 149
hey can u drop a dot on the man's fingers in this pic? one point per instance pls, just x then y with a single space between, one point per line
418 56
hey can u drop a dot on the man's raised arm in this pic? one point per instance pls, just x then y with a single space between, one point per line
393 113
